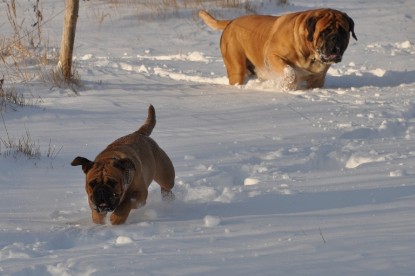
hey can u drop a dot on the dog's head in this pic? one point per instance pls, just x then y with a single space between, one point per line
328 31
106 181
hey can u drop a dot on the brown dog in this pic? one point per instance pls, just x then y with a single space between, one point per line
118 179
299 47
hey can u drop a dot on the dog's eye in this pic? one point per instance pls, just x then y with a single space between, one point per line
111 183
327 31
92 184
342 31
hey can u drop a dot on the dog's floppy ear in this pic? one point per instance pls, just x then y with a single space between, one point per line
311 27
86 164
351 26
124 164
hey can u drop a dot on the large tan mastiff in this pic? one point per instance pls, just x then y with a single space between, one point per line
118 179
299 47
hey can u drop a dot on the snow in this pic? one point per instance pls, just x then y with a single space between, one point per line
211 221
269 182
250 181
123 240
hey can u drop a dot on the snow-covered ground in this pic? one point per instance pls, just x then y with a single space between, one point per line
317 182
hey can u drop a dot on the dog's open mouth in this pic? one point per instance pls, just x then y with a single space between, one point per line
330 58
104 207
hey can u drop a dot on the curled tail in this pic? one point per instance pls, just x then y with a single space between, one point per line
150 122
212 22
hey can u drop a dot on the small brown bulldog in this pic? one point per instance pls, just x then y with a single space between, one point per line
118 179
298 47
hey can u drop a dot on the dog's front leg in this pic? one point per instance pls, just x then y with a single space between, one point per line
276 65
133 201
317 80
98 218
120 215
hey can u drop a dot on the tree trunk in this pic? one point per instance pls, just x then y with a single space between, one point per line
68 37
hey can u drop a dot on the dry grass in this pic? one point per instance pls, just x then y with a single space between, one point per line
25 37
162 8
25 54
25 146
54 76
156 9
11 100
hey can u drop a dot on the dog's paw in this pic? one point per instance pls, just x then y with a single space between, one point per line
98 218
289 79
117 220
167 196
289 75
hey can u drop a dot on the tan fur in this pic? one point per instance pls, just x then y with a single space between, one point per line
212 22
135 158
281 46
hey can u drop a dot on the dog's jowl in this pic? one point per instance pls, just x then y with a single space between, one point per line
118 179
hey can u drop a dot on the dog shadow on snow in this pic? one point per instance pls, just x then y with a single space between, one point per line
389 79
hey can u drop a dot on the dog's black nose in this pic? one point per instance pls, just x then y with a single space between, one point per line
104 199
99 195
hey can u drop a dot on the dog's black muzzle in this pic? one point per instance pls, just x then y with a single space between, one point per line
104 200
333 49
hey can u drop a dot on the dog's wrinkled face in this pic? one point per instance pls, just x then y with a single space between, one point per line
106 181
329 33
104 187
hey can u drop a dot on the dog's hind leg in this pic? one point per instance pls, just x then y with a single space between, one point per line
165 175
167 196
236 69
235 62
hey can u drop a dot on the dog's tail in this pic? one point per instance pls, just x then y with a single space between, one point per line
150 122
212 22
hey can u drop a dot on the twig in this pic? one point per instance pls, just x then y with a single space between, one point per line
4 123
321 234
